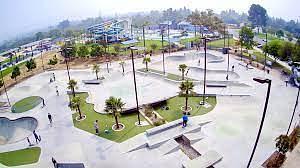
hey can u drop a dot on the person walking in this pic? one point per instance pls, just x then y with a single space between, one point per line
184 120
37 138
96 126
28 140
54 162
50 119
53 76
43 100
232 68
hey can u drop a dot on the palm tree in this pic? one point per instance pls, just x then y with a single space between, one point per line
186 87
114 105
146 60
75 104
122 63
96 69
72 85
182 68
283 144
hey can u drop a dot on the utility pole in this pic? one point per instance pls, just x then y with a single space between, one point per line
163 52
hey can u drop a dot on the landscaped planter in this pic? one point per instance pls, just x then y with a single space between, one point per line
81 119
188 110
121 127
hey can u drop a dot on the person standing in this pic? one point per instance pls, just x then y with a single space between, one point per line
96 126
43 100
50 119
54 162
232 68
37 138
184 120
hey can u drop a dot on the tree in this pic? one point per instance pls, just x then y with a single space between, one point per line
153 46
96 69
30 65
246 37
83 51
285 51
282 144
53 61
64 24
72 85
39 35
122 63
146 60
117 48
289 36
15 72
273 48
96 50
114 105
257 16
186 87
182 68
75 104
280 33
296 53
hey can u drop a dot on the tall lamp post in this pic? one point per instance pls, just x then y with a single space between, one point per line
162 49
169 38
4 85
296 104
204 76
66 56
135 88
265 62
42 56
227 58
262 81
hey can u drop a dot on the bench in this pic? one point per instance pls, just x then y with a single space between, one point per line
93 82
163 127
208 159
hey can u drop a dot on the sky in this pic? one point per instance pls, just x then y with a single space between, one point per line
21 16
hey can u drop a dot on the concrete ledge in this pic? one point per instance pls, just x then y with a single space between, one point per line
208 159
163 127
92 82
169 147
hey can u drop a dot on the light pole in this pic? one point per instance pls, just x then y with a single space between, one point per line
224 34
262 81
204 76
241 41
169 38
227 58
266 52
66 56
162 48
42 56
135 89
296 104
4 86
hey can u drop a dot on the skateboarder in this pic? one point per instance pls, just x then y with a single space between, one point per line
28 140
37 138
50 119
184 120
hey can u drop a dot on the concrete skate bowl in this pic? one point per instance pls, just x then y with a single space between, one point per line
195 57
216 75
26 104
12 131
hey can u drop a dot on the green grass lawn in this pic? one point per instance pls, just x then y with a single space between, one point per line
220 43
26 104
187 40
20 157
107 121
175 103
169 75
270 36
8 70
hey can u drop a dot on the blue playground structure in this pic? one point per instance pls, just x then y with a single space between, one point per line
111 31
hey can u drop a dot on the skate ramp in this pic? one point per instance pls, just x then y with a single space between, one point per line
12 131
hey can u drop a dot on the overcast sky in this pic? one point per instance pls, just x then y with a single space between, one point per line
18 16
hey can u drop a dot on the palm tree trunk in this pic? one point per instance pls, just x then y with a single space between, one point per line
79 111
123 69
186 99
182 75
73 91
147 66
117 122
97 75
